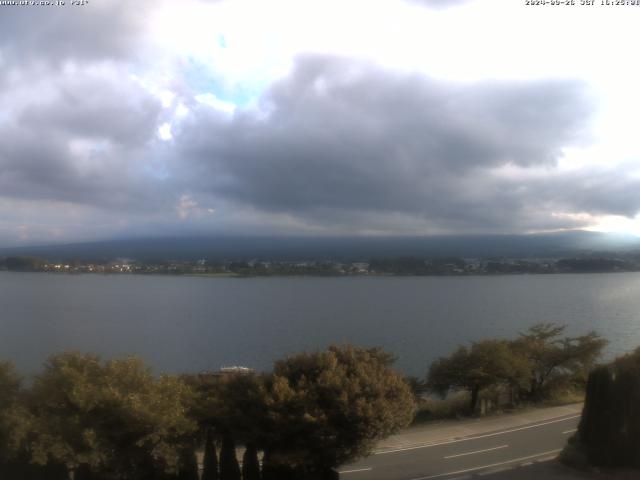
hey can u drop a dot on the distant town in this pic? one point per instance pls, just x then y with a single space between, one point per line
626 262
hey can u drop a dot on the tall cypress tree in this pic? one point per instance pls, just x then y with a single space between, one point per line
268 469
229 468
610 424
250 463
210 462
188 465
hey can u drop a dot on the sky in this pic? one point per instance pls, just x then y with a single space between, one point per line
333 117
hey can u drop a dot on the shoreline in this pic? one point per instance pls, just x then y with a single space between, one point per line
309 275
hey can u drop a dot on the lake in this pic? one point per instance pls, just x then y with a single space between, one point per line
181 324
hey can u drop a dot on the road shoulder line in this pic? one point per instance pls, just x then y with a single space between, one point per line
483 467
476 437
476 451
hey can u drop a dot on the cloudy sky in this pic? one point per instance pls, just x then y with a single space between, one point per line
332 117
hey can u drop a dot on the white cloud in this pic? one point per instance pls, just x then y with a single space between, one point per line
213 101
164 132
166 98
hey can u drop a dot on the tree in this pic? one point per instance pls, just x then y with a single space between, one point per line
484 364
232 407
275 468
114 418
331 407
229 467
210 461
609 429
188 469
250 463
15 424
550 355
23 264
10 389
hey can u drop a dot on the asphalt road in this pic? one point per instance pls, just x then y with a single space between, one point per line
460 458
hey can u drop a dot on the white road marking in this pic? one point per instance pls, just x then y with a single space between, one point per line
487 435
570 431
466 470
545 459
493 471
356 470
477 451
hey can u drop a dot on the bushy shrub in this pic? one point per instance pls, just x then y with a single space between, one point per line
610 424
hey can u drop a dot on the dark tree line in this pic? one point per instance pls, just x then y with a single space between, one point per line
90 419
315 411
114 420
609 430
22 264
531 367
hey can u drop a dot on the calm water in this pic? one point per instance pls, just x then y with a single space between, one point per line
191 324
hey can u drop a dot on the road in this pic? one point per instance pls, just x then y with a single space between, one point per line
463 457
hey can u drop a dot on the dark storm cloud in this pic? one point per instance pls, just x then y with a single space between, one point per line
84 141
338 145
102 30
597 191
346 136
76 126
91 105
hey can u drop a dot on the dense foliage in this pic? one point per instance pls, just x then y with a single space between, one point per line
210 458
482 365
330 407
14 418
114 417
531 367
22 264
551 357
610 425
115 420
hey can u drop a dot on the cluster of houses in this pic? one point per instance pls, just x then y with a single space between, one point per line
391 266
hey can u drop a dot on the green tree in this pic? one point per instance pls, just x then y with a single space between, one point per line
484 364
114 418
331 407
551 355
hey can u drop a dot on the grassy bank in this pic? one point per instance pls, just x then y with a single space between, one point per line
456 406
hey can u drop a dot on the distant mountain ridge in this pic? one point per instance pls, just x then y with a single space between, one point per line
336 248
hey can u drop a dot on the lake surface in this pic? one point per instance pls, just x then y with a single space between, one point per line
180 324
